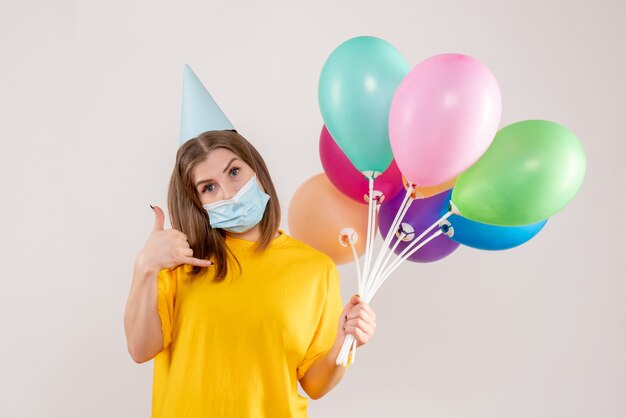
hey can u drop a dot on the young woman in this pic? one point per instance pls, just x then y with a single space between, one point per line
234 311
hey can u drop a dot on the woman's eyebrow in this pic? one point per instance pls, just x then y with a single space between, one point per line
229 163
227 166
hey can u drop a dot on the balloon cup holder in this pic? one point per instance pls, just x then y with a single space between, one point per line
379 197
405 232
447 228
347 236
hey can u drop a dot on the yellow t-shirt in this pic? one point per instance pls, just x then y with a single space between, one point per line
236 348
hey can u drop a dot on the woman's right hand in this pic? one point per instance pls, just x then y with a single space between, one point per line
166 248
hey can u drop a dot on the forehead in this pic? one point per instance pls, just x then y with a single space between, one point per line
214 164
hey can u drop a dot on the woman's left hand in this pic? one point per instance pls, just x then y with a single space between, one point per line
357 319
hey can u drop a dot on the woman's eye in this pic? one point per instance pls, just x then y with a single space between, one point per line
209 188
234 171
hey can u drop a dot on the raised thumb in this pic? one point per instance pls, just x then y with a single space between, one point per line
159 218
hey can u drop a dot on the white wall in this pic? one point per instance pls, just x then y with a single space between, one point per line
90 98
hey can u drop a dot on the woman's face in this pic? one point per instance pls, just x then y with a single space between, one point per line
220 176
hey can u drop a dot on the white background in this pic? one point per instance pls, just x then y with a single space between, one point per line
90 97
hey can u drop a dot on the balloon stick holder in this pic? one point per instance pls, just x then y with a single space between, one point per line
376 272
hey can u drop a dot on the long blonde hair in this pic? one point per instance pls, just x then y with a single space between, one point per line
187 214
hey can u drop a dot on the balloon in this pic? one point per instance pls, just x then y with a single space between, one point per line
350 181
421 214
443 117
424 191
488 237
319 214
530 172
355 90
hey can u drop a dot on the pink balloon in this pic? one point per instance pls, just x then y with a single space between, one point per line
348 180
443 117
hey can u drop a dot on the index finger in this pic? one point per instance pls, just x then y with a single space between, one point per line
366 307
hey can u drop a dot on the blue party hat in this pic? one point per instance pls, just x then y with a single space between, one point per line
200 112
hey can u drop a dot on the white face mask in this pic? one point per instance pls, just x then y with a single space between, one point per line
240 213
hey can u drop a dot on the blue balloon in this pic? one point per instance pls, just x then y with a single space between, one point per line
488 237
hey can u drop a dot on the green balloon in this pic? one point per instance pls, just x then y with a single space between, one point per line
531 171
355 90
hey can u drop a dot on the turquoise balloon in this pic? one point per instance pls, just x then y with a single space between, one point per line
532 170
356 87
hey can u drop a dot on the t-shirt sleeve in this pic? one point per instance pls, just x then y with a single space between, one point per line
166 295
326 331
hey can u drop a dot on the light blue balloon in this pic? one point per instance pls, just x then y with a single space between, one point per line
200 112
489 237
